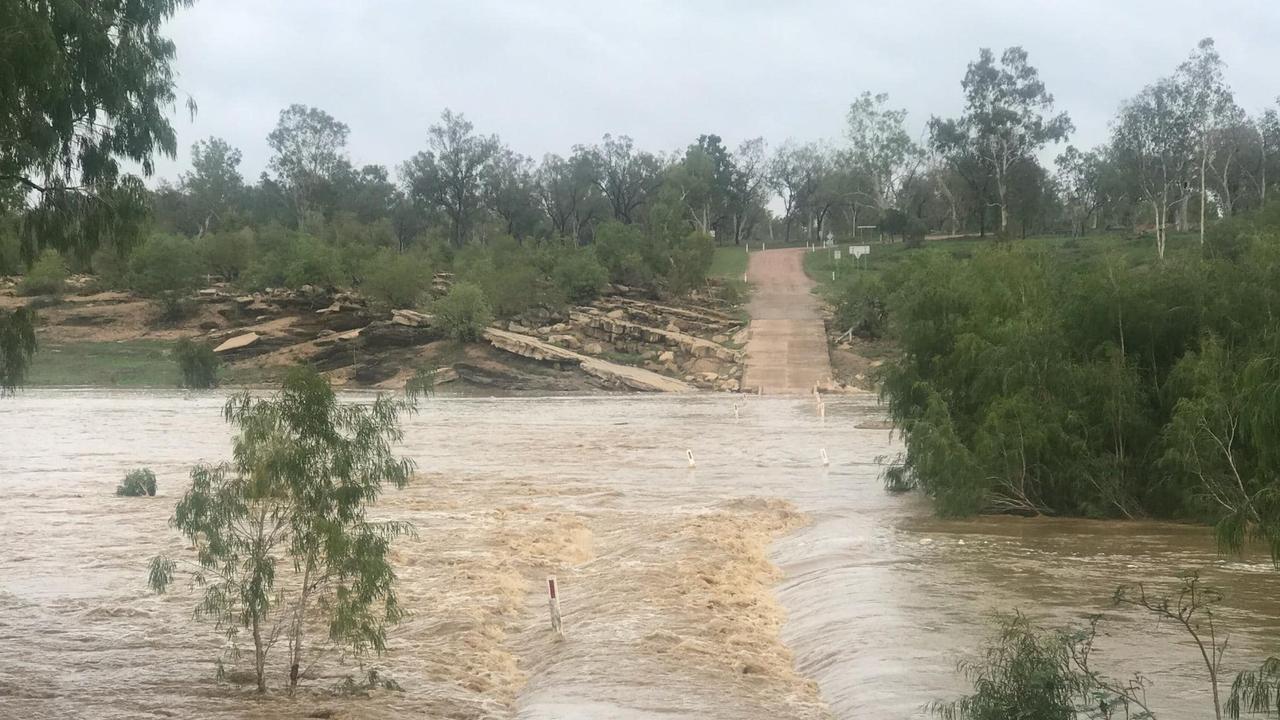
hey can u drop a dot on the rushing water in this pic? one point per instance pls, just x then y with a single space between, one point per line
667 605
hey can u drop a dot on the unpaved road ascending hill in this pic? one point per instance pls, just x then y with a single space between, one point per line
787 352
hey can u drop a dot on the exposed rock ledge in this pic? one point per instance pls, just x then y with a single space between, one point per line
611 373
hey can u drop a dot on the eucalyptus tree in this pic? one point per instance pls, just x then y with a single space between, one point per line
1081 178
748 189
449 175
568 193
310 153
627 177
214 183
281 531
1151 147
793 176
1008 117
881 148
87 87
1208 107
509 192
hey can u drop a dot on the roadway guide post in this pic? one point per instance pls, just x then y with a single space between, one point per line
553 600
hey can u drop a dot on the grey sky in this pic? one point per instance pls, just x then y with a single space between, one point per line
548 74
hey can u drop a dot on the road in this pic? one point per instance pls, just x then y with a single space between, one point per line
787 352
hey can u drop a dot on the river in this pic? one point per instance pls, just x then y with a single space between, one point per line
758 584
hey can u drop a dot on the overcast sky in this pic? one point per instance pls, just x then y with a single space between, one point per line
546 74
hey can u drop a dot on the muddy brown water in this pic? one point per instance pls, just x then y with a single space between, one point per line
757 585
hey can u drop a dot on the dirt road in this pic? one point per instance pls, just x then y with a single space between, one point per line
787 352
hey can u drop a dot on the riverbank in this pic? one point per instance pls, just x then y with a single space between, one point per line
623 341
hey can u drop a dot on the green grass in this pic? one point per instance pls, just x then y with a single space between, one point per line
129 364
729 263
1131 250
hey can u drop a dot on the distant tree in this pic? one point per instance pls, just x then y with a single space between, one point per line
295 497
882 148
568 193
625 176
310 153
1208 107
1152 149
463 312
1007 118
138 483
748 189
1080 177
509 191
793 176
449 175
214 183
87 86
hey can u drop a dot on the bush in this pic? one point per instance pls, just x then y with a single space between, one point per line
509 275
168 269
621 249
579 275
47 276
198 364
110 267
395 280
464 313
138 483
229 254
860 305
691 261
290 259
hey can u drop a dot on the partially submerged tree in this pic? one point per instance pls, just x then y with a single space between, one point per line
283 541
17 346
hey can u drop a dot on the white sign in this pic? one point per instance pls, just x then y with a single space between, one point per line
837 254
859 250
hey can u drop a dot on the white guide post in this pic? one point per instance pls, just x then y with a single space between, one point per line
553 595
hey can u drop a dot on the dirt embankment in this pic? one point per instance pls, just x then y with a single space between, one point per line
622 341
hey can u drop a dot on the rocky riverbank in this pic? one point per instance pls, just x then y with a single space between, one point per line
624 341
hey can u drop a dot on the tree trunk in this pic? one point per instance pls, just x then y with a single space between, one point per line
1204 161
1184 204
259 656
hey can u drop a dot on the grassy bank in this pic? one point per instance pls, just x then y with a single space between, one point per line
127 364
1076 252
728 263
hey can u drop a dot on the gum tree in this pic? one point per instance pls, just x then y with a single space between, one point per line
1008 118
282 537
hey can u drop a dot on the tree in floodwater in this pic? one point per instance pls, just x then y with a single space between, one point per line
295 496
17 345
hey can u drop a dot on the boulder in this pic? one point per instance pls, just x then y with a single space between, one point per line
593 348
373 373
238 342
411 318
568 341
705 365
616 314
382 335
666 357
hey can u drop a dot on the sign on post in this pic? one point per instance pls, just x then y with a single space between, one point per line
858 251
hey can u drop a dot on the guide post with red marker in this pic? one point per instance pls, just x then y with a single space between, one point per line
553 595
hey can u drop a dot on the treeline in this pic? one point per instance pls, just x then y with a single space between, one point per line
1034 381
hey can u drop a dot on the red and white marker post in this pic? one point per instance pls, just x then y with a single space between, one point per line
553 595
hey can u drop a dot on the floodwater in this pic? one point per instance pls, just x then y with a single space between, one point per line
758 584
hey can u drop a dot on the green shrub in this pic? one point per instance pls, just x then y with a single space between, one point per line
47 276
579 275
395 280
735 291
508 274
690 262
860 305
198 364
138 483
621 249
463 312
168 269
229 254
110 267
312 262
